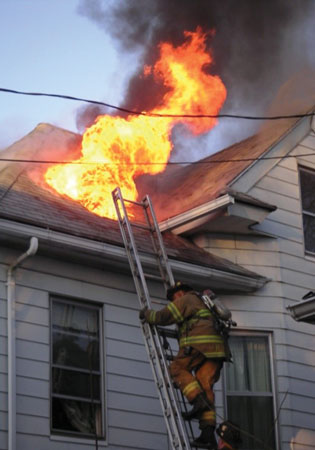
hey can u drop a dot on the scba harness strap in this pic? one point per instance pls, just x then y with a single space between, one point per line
221 313
222 317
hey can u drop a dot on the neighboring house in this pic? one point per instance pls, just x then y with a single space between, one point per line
72 355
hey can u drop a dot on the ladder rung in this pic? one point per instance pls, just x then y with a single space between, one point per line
133 202
140 225
153 277
152 354
167 412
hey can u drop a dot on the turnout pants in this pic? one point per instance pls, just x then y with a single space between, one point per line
206 374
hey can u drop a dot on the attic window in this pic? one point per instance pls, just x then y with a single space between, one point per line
307 183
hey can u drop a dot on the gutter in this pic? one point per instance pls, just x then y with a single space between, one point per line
11 342
197 213
114 254
304 311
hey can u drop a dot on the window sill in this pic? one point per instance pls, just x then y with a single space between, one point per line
309 257
77 440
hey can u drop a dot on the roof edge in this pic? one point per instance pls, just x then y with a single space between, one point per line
196 213
229 197
201 275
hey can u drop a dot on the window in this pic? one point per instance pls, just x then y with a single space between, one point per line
249 396
307 183
76 369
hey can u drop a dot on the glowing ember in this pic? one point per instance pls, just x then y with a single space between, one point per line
116 150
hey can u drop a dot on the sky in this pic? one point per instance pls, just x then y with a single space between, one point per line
47 46
95 49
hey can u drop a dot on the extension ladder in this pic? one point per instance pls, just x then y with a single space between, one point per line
156 351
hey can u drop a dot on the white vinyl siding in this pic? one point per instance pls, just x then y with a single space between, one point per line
282 259
3 361
133 415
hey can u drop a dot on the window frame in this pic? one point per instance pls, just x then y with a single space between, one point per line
72 435
273 393
302 168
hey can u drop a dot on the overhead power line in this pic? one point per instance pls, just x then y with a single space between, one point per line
169 163
151 114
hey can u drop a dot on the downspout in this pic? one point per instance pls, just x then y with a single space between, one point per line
11 343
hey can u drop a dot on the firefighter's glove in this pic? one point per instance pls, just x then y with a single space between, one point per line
142 314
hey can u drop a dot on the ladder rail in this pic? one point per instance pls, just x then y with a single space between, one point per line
167 397
170 356
158 244
160 375
134 262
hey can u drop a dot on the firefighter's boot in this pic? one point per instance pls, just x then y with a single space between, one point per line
206 439
230 436
200 404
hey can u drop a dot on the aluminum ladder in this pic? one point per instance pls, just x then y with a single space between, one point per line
168 397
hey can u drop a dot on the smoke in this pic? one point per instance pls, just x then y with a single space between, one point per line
257 46
86 116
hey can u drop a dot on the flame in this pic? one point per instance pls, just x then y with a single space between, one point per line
116 150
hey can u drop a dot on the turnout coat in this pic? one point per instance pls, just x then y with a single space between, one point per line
195 322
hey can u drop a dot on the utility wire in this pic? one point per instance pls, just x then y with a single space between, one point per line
169 163
151 114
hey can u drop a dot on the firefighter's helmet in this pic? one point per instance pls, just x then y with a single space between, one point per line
178 286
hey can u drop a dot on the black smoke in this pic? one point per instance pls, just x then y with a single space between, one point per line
257 44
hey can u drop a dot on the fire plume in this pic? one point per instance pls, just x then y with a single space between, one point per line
116 150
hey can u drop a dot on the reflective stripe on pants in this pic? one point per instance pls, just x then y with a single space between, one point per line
207 373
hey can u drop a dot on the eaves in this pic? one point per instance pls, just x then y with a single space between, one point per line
103 255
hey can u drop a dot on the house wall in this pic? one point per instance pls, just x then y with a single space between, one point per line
291 274
133 413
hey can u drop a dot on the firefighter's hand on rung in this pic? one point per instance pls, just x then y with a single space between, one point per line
142 314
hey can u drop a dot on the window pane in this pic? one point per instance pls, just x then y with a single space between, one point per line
76 401
307 190
76 384
79 417
76 319
250 370
254 415
76 351
309 232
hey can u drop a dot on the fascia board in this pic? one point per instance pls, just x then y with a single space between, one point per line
196 213
230 281
200 274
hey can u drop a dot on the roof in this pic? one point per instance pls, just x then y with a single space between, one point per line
24 198
179 190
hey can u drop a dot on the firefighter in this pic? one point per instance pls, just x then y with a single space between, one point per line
202 351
